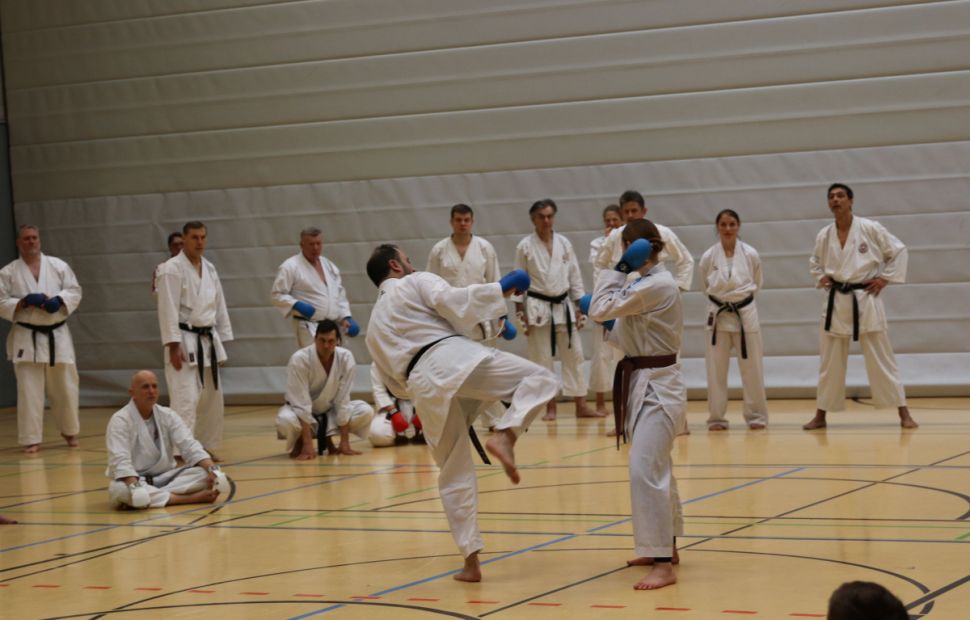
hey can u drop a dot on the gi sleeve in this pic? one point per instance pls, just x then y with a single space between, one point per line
223 326
816 263
8 300
118 440
611 300
70 292
576 289
683 270
894 254
465 307
434 260
492 269
756 276
382 398
298 389
169 296
605 254
343 306
704 266
341 400
280 293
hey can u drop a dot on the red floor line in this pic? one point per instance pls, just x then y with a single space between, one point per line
255 593
738 611
672 608
45 585
425 600
149 589
310 595
547 604
97 587
609 606
484 602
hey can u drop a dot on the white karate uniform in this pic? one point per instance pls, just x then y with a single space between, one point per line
649 322
453 379
552 275
382 433
870 251
186 297
311 390
33 369
298 280
674 251
478 266
602 361
146 449
734 280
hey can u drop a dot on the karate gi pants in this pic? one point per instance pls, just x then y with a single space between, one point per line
305 332
654 498
181 481
884 381
718 359
61 384
200 407
288 425
503 377
603 361
573 382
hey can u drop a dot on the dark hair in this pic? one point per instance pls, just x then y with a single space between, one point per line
848 190
644 229
463 209
631 196
379 263
614 209
325 327
193 225
172 236
864 600
730 212
542 204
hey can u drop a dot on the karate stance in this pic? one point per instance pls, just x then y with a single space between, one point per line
37 294
142 440
854 259
731 272
414 340
650 399
308 289
194 323
463 259
604 357
318 383
548 312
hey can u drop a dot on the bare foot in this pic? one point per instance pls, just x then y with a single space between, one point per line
472 571
71 441
550 415
33 448
675 559
817 422
5 521
585 411
661 575
500 445
905 420
756 426
297 448
717 427
205 496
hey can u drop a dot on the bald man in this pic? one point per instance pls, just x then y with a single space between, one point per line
143 438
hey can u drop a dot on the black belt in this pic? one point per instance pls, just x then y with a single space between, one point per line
471 430
200 357
726 306
43 329
621 385
845 288
557 299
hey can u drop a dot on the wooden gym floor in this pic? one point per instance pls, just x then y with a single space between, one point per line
775 520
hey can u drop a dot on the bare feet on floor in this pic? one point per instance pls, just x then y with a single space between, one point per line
205 496
662 574
717 426
472 571
756 426
905 420
675 559
71 440
815 423
501 445
585 411
33 448
550 415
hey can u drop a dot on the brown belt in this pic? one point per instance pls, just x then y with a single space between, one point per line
621 385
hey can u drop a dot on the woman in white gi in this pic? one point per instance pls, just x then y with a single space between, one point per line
652 402
604 357
731 271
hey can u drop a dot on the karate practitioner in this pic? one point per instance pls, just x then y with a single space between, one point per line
463 259
318 383
603 360
194 323
308 289
142 439
650 398
548 312
37 294
396 423
414 340
175 244
731 272
854 259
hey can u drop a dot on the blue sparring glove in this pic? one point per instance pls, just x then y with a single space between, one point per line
609 324
35 299
516 279
304 309
635 256
352 327
584 303
53 304
508 331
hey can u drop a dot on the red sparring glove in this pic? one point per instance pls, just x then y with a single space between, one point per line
398 422
416 421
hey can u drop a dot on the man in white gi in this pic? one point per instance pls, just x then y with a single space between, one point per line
175 244
854 259
142 439
464 259
319 378
394 417
37 294
308 289
548 312
414 340
194 323
651 402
